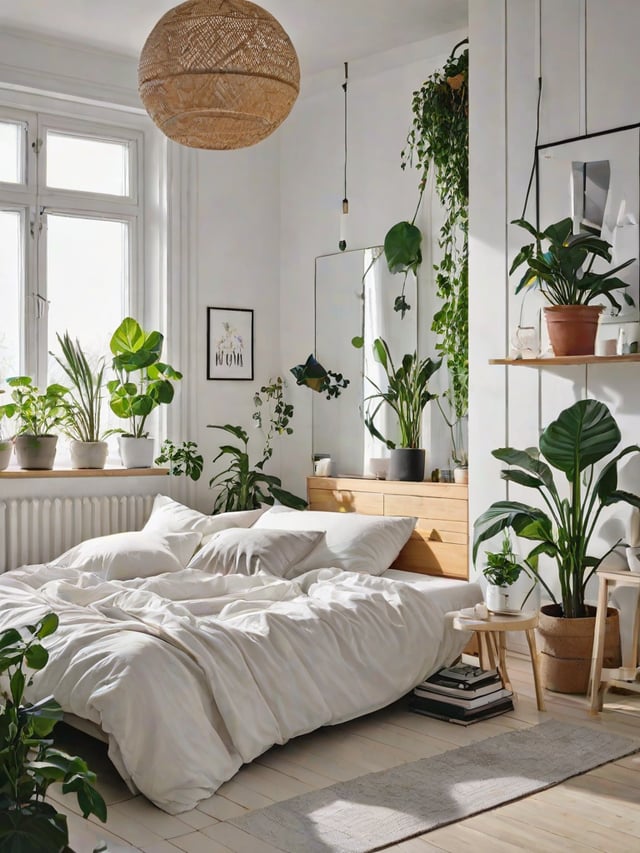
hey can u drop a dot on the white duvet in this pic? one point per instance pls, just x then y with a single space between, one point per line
190 674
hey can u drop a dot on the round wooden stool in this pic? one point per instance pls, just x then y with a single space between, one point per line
491 642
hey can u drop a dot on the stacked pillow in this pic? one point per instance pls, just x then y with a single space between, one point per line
169 516
352 542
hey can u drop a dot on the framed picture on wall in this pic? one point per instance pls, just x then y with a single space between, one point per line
229 343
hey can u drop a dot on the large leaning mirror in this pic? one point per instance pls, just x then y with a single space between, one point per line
595 180
354 295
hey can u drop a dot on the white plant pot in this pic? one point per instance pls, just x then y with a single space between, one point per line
136 452
500 600
88 454
36 452
461 475
6 448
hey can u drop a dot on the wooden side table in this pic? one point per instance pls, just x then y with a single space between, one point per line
621 676
491 641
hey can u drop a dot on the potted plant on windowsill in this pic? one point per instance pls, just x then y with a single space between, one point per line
143 383
580 438
564 273
407 393
38 415
6 445
83 405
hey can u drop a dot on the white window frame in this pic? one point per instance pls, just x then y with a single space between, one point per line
147 255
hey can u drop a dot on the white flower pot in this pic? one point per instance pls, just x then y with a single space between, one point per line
6 448
136 452
88 454
499 599
461 474
36 452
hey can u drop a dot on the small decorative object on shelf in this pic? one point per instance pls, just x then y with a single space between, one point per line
525 343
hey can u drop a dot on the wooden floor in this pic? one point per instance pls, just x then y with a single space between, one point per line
597 811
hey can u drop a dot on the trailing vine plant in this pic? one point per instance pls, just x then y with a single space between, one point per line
439 141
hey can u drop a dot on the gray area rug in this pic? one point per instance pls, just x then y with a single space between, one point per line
373 811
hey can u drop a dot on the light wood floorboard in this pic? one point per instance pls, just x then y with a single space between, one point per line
599 811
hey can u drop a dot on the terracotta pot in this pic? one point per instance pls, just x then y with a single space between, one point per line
567 646
572 328
407 463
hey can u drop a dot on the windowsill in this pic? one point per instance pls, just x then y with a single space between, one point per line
19 473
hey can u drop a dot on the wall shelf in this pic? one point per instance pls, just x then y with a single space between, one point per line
564 360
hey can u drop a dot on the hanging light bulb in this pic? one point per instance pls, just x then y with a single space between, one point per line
342 245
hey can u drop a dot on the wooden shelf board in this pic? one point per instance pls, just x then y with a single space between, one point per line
563 360
19 473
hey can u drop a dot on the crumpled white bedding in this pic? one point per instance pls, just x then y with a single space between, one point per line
190 674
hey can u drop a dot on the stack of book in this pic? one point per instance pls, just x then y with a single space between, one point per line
462 694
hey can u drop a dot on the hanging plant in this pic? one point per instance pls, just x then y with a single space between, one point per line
439 141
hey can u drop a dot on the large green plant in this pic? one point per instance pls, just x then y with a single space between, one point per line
143 381
581 437
83 405
438 142
29 763
38 414
241 485
407 393
560 263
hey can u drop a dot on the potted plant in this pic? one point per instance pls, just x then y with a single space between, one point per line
502 571
241 486
143 383
182 459
38 415
314 376
29 762
580 438
407 393
6 445
83 405
561 264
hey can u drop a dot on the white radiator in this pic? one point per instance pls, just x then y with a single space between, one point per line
36 531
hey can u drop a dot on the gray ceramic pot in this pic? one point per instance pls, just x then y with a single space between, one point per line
36 452
407 463
88 454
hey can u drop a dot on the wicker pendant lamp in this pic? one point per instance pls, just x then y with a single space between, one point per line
218 74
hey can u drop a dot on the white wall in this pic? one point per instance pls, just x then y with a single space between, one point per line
380 195
576 46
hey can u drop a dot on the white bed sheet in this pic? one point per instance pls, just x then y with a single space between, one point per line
190 675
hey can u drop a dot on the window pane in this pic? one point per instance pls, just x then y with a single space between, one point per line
12 135
10 289
87 283
87 165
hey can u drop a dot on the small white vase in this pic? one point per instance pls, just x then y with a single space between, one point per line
88 454
461 475
498 599
6 449
136 452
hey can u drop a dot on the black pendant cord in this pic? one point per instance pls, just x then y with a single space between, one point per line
345 200
534 165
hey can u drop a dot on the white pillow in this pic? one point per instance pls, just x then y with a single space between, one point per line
169 516
245 552
353 542
137 554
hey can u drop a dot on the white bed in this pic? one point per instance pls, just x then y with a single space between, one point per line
191 674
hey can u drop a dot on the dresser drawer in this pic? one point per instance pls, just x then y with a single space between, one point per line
345 500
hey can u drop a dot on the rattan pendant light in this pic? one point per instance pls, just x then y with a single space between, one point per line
218 74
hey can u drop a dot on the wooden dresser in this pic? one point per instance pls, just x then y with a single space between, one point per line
440 543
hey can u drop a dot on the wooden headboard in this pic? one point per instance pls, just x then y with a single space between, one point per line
439 544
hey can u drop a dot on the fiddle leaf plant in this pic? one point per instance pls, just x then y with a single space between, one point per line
143 381
29 762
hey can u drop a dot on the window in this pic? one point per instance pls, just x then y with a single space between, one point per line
70 226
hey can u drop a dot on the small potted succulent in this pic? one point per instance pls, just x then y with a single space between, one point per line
143 383
38 414
561 264
501 571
